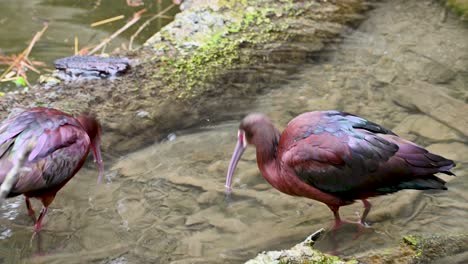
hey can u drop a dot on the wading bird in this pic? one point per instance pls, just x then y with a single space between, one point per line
59 144
337 158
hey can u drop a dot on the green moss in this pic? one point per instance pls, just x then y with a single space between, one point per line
460 7
316 258
220 52
415 243
48 79
158 46
411 240
189 72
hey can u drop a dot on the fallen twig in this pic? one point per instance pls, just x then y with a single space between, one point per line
136 17
147 22
22 61
36 38
15 62
108 20
76 45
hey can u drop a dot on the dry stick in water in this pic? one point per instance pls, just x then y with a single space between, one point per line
147 22
108 20
76 45
136 17
36 38
18 162
24 55
12 65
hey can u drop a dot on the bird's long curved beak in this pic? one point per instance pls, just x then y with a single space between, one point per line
96 147
238 151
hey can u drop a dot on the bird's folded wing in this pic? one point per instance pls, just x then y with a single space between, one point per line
340 164
50 160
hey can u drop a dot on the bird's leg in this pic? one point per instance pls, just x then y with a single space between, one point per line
338 221
367 208
31 212
38 225
46 201
362 225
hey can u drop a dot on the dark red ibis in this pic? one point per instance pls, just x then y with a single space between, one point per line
59 146
337 158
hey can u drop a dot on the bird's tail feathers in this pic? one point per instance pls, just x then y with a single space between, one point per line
426 183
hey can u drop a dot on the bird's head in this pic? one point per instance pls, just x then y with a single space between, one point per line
93 128
254 129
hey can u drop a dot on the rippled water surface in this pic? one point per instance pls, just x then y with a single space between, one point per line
406 67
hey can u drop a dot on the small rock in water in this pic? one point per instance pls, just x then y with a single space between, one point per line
6 234
120 260
142 113
171 137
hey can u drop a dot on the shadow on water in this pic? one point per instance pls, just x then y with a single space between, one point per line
166 203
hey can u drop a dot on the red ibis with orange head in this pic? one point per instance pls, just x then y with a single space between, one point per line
59 144
337 158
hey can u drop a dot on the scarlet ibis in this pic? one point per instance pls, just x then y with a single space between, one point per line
60 145
337 158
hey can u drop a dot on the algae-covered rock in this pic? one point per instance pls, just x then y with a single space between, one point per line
302 253
413 249
416 249
432 248
460 7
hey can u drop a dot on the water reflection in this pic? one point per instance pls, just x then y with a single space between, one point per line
166 203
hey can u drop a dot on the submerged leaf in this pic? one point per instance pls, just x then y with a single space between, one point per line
20 81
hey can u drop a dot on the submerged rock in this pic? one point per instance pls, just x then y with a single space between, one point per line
425 126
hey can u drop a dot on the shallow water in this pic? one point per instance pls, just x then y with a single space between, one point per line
21 19
406 67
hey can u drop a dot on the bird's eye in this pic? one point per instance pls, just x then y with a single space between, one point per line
248 134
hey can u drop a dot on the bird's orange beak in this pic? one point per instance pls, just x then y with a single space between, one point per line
238 151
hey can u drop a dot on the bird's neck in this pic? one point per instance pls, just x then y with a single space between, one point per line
266 156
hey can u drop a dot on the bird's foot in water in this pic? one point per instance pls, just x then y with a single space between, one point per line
362 221
340 223
37 227
363 224
361 227
360 224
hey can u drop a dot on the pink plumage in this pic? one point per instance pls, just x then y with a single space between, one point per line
60 145
337 158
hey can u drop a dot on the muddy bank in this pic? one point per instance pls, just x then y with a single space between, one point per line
198 67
